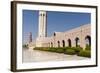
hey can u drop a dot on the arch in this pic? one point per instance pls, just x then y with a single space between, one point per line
54 34
43 14
77 41
69 43
63 43
40 14
48 44
58 43
88 40
51 44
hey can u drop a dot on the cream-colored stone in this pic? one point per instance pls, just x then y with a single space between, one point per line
79 32
42 31
43 41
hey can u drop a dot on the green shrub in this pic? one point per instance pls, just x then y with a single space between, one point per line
88 47
85 53
67 47
52 49
60 50
35 48
66 50
77 49
44 49
70 51
39 48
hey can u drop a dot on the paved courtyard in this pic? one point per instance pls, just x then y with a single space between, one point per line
30 55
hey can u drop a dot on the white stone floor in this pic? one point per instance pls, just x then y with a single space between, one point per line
43 56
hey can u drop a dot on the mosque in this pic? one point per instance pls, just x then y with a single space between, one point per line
72 38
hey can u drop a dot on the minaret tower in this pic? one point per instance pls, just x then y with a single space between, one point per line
42 28
42 31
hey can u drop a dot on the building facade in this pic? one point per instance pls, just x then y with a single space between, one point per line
80 36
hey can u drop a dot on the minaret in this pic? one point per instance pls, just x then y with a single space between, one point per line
42 28
42 32
30 37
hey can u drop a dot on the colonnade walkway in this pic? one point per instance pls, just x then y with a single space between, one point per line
30 55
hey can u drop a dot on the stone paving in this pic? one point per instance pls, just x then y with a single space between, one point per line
30 55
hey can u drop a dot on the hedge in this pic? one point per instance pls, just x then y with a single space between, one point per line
67 50
60 50
51 49
77 49
85 53
70 51
88 47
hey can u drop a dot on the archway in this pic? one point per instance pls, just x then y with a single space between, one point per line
88 40
77 41
69 43
63 43
51 44
58 43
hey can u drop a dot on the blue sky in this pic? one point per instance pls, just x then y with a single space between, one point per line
56 21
